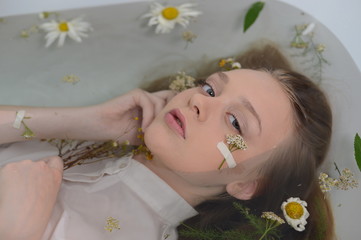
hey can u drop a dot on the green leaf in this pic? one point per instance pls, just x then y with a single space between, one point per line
357 145
252 14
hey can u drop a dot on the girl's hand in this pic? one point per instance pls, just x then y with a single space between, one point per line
121 117
28 192
142 104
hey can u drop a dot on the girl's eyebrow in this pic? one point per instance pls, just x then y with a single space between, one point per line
245 102
223 77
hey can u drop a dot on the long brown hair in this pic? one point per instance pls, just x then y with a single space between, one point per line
300 156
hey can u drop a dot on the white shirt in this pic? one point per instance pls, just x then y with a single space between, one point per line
123 189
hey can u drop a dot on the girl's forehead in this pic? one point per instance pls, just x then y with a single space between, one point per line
254 84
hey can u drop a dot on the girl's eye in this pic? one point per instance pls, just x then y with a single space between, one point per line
208 89
234 122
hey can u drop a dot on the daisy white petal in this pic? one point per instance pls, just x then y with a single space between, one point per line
83 35
61 39
51 26
51 37
153 21
183 22
74 36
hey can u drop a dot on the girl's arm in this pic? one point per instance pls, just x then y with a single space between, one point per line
117 119
43 122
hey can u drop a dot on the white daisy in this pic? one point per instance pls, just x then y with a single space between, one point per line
75 29
295 213
167 17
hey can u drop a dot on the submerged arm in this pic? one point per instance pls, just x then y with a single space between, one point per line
117 119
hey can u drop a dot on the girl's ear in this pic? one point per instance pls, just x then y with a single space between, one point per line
241 190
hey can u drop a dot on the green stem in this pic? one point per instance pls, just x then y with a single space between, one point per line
337 169
220 166
264 234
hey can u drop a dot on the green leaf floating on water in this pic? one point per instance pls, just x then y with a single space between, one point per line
252 14
357 145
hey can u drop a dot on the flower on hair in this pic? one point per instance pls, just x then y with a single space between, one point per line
295 213
166 17
74 29
273 217
112 224
326 183
272 222
344 182
182 82
234 142
227 64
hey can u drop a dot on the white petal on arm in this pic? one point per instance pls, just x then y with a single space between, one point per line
61 39
73 35
51 37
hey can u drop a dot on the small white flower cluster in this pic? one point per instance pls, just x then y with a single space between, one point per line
344 182
326 182
112 224
273 217
236 141
71 78
182 82
189 36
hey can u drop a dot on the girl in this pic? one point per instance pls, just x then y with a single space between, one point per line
283 119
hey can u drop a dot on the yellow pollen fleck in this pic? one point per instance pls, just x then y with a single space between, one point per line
170 13
63 27
294 210
222 62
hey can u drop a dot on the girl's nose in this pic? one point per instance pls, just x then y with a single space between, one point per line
200 105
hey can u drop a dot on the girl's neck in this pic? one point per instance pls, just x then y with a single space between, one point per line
193 194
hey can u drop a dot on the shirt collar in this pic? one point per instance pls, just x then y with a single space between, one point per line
163 199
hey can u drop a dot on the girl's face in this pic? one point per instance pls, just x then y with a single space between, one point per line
184 135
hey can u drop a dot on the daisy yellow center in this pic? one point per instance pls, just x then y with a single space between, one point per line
222 63
63 27
170 13
294 210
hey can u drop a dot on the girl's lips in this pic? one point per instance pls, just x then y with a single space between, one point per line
176 121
